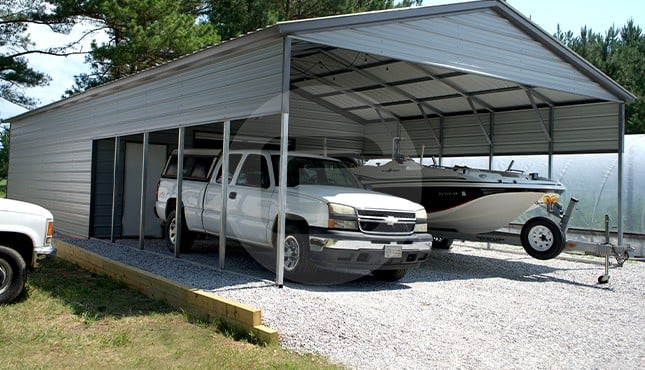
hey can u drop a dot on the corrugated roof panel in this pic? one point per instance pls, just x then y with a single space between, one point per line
428 89
345 101
384 95
406 110
315 87
349 80
475 83
371 114
458 104
395 72
480 42
506 99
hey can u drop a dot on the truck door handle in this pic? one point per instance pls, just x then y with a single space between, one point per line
232 195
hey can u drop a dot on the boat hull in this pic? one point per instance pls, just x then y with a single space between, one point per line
484 214
461 199
470 207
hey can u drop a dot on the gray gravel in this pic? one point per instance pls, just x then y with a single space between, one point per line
465 308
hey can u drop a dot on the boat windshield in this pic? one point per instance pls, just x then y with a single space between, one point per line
315 171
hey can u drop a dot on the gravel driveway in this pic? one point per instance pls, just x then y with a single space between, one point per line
464 308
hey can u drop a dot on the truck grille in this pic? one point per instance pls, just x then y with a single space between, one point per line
386 222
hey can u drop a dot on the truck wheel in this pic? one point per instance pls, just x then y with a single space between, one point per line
296 254
13 274
441 243
542 238
171 234
389 275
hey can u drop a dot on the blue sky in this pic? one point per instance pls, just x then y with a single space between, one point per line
599 15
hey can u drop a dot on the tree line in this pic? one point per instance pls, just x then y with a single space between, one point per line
144 33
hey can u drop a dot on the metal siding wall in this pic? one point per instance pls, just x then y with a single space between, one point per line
520 132
480 42
309 124
463 136
581 128
51 152
52 172
587 128
420 133
102 190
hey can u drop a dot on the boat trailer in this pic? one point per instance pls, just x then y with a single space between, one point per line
544 238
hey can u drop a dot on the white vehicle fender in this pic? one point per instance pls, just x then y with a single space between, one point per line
37 237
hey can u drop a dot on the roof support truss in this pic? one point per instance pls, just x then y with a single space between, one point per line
420 104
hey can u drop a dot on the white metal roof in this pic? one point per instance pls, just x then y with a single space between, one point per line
413 64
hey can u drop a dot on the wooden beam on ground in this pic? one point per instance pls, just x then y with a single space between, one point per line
196 302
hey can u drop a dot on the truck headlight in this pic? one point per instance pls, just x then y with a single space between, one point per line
421 225
342 217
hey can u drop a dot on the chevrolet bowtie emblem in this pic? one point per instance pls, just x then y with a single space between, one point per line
390 220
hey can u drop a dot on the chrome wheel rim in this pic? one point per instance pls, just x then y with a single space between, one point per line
5 275
172 231
291 253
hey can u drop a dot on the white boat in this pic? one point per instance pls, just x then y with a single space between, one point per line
461 199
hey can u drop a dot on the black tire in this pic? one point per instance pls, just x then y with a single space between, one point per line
297 262
441 243
13 274
389 275
187 237
542 238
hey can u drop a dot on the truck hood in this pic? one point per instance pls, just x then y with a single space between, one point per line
357 198
16 206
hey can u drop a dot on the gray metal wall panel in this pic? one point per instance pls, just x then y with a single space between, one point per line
520 132
310 125
463 136
424 135
479 42
51 153
587 128
53 173
581 128
237 86
103 178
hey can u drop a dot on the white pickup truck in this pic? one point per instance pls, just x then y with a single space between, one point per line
332 221
25 236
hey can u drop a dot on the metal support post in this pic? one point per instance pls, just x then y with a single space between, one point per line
144 185
225 171
115 174
179 209
284 137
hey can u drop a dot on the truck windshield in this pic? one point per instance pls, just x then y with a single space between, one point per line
315 171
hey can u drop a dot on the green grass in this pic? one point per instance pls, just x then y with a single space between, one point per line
70 318
3 188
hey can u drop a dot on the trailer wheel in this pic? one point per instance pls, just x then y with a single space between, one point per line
13 274
542 238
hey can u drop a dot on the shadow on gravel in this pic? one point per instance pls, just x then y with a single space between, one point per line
243 271
455 265
241 268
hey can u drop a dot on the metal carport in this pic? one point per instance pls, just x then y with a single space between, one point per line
474 78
